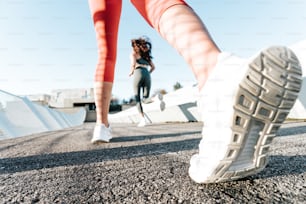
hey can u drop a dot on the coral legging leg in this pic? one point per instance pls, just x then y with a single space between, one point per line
152 10
106 16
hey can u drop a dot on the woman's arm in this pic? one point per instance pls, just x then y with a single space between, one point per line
133 63
152 66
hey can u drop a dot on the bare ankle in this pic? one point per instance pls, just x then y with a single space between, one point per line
211 61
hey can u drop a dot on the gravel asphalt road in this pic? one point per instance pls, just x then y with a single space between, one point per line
141 165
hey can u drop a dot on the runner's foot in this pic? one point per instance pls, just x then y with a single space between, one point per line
143 122
101 134
242 106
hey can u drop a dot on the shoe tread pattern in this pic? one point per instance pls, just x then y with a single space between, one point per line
264 99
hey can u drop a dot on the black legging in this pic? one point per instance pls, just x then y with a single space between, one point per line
142 80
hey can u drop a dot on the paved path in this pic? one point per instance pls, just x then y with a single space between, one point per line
141 165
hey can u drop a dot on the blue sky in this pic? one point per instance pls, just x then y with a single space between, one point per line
50 44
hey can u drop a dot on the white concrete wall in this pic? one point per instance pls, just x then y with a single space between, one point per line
299 109
180 107
19 117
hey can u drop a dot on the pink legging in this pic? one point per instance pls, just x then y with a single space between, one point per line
106 16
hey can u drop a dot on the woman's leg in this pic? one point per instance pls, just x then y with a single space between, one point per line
146 85
137 84
106 16
182 28
189 36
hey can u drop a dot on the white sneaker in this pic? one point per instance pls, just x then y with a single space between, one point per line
143 122
101 134
242 106
162 104
147 100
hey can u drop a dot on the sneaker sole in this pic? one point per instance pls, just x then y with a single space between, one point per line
263 101
162 106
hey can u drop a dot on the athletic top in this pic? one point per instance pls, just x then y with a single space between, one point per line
141 62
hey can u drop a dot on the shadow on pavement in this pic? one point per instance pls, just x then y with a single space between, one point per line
283 166
291 131
151 136
19 164
277 166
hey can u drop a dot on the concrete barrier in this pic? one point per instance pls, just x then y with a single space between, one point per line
19 116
